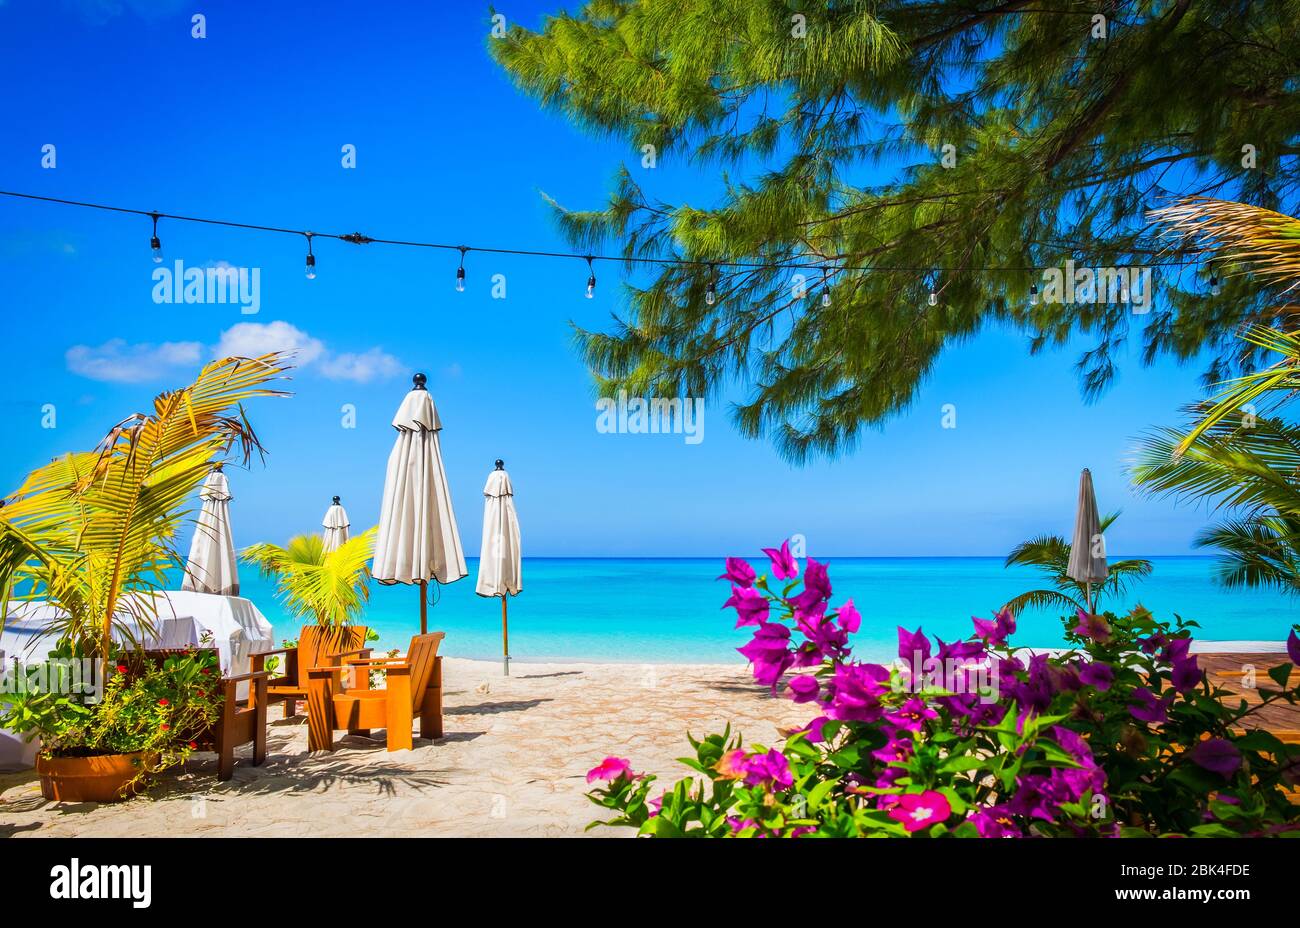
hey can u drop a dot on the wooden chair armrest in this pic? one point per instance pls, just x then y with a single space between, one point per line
375 660
246 676
361 651
269 653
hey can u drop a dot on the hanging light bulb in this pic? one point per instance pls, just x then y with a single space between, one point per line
1033 294
311 260
591 281
826 290
460 271
710 291
1216 288
154 243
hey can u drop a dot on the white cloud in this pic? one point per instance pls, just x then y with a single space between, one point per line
250 339
362 368
118 362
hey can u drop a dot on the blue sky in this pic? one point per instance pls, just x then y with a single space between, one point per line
248 125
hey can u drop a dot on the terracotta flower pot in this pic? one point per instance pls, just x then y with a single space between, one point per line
91 779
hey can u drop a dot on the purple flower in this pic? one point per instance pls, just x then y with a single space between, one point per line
770 770
1176 650
896 749
856 690
751 606
920 810
1293 647
784 566
611 769
813 731
1092 626
1186 674
804 688
1146 708
995 632
851 620
739 572
816 586
823 636
913 647
996 822
769 652
911 715
1217 756
1096 673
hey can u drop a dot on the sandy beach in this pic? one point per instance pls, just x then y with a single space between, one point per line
512 763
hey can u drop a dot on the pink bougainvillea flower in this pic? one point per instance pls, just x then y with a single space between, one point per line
655 805
816 586
813 730
1186 674
851 620
769 652
804 688
784 566
1147 708
911 715
739 572
896 749
751 606
1218 756
995 822
1293 647
770 770
913 646
996 631
1094 627
1098 674
856 691
1176 650
610 769
921 810
731 765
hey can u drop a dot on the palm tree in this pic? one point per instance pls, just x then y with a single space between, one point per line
330 588
1236 456
1050 554
93 533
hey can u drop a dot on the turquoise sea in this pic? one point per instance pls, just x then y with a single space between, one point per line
669 609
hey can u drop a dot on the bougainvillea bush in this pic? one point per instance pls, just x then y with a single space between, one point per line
1122 734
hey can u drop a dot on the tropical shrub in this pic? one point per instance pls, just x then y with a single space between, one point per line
1122 734
326 587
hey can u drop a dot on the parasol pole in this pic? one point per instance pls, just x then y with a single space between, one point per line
424 607
505 638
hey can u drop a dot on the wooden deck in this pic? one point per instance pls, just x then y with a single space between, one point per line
1230 672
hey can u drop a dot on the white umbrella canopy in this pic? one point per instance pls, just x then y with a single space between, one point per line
1088 548
417 539
500 568
336 526
211 567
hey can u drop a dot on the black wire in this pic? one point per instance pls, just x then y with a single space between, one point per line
357 238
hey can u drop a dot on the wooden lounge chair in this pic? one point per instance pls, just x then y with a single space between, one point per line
413 688
240 722
318 645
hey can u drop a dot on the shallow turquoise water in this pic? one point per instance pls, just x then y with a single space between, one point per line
669 610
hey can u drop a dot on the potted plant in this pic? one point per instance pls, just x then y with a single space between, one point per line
100 746
93 534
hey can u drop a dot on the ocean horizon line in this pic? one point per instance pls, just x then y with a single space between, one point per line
842 557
